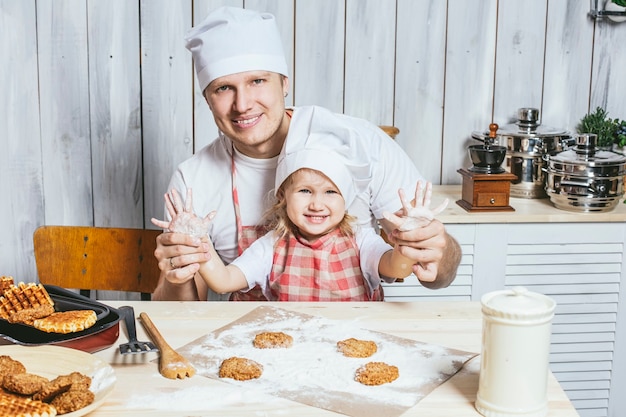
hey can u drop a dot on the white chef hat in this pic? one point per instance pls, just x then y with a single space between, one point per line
232 40
326 162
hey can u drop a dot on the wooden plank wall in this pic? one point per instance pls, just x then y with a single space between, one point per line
98 102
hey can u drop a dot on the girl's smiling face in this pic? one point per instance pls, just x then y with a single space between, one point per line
314 203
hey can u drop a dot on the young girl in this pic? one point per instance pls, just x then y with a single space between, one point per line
312 252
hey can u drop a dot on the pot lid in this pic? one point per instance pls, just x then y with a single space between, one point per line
527 126
586 153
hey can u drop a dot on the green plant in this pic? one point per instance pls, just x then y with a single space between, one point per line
620 133
620 2
602 125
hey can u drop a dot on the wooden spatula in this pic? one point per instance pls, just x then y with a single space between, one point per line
171 364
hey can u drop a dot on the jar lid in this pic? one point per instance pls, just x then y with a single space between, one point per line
518 303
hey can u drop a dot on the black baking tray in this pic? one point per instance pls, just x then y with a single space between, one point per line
97 337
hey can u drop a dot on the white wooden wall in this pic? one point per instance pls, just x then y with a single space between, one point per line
98 102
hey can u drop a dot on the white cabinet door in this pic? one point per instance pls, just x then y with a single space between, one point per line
581 267
461 287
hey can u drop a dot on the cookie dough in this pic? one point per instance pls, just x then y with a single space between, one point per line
376 373
272 340
355 348
241 369
10 366
72 400
24 383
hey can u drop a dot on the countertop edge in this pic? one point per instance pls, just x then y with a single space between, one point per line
526 210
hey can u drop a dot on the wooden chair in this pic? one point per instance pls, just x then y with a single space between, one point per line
97 258
392 131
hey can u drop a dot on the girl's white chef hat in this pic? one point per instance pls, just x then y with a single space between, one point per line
327 143
232 40
328 163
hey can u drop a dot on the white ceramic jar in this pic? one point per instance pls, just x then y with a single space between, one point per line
515 353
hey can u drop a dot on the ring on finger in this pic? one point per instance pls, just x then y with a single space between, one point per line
172 263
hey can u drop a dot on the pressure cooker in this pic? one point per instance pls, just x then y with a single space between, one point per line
585 178
527 143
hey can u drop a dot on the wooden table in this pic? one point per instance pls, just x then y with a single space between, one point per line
141 391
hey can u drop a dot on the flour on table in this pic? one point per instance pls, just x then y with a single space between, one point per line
314 372
186 399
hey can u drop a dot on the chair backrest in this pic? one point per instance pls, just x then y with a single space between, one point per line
97 258
390 130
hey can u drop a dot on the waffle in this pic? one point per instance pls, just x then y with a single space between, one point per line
61 395
66 321
15 406
6 282
23 296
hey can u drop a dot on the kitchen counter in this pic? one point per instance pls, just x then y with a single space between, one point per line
526 211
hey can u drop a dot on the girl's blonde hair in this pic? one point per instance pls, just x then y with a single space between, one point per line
277 219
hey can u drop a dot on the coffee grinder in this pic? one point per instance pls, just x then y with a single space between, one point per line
486 184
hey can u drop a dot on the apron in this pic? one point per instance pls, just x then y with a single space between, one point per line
246 235
325 270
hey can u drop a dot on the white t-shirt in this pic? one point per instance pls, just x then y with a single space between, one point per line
256 261
208 173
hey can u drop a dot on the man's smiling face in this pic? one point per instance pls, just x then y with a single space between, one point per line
249 108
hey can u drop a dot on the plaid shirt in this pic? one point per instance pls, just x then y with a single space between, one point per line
326 270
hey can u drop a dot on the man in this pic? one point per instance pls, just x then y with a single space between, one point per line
242 72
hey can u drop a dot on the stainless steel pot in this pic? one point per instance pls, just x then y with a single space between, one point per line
527 143
585 178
